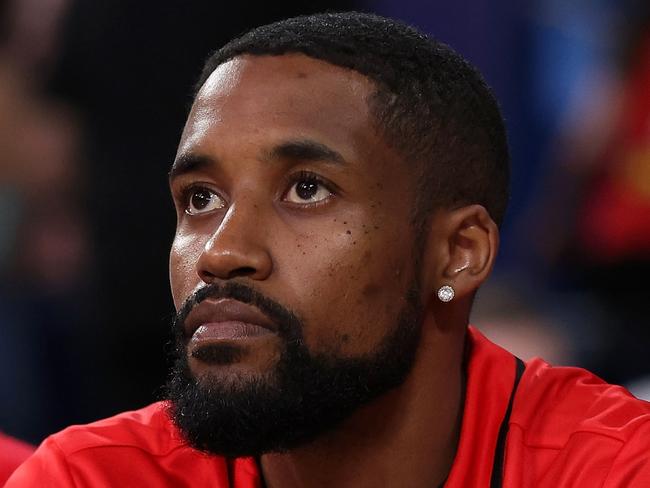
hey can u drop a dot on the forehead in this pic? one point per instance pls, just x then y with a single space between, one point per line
270 97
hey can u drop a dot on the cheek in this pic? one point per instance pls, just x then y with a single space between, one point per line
351 288
183 277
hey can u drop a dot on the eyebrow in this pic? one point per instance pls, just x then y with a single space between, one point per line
306 150
186 163
293 150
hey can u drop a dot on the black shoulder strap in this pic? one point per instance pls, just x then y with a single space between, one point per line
499 453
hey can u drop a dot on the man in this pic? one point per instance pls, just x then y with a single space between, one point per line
338 186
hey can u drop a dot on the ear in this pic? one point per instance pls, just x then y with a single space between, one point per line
462 248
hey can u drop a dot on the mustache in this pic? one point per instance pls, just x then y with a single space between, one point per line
289 324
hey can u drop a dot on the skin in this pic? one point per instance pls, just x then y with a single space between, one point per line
342 262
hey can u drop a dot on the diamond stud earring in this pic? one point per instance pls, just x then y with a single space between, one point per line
446 293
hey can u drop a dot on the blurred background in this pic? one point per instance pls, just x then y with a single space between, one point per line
93 97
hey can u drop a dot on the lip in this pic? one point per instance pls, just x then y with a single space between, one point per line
233 317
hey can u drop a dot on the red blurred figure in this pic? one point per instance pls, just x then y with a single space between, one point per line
12 453
616 214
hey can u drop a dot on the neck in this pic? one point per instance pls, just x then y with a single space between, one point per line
407 437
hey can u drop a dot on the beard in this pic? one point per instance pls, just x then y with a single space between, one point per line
301 397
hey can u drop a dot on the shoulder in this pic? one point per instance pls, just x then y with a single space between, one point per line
148 429
570 428
554 403
137 448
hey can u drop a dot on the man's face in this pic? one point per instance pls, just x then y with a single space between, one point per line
298 215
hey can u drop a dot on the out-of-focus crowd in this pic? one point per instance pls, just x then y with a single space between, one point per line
43 240
578 285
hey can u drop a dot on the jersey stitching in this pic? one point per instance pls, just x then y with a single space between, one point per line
581 431
78 450
647 422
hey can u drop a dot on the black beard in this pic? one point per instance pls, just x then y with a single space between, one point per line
302 397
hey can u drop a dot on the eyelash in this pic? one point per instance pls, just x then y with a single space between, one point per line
309 177
185 192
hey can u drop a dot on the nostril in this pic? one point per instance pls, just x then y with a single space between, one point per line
206 276
242 271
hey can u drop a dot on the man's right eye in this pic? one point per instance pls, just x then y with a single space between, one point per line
202 200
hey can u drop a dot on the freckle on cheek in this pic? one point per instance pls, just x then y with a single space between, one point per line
348 231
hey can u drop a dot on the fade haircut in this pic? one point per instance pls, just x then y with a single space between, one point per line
430 105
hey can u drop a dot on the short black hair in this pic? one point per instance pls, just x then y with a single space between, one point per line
430 105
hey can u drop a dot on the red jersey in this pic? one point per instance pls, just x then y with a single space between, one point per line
12 453
523 426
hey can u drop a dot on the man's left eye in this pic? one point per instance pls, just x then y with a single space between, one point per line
307 191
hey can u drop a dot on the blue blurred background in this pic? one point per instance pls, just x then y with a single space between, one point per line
93 97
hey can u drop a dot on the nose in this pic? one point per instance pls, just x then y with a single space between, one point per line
237 247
